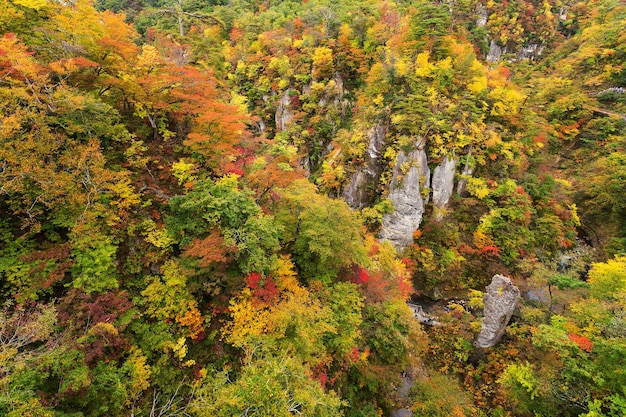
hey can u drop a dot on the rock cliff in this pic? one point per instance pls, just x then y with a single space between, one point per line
283 112
443 185
357 192
408 192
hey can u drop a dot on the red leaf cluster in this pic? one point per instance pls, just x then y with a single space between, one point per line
584 343
354 355
79 309
263 288
360 276
209 250
58 257
490 250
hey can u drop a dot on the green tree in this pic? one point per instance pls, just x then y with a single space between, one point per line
268 387
226 206
323 234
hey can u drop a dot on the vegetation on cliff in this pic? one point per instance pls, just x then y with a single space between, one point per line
174 239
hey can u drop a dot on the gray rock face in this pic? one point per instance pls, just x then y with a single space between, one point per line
376 137
538 295
500 300
462 184
532 52
617 90
260 126
481 16
283 114
410 176
495 52
356 193
305 164
443 185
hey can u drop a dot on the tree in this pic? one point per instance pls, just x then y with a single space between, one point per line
608 280
293 322
269 387
431 22
439 395
226 207
323 234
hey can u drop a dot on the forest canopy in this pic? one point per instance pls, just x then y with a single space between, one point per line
220 208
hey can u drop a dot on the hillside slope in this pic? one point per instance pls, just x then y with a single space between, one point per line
222 208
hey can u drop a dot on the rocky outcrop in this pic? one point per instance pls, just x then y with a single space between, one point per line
411 177
421 316
467 172
482 15
443 185
334 93
461 186
495 52
376 137
259 127
616 90
305 164
283 112
357 192
500 300
531 52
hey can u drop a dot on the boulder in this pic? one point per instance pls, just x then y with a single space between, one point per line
500 300
411 175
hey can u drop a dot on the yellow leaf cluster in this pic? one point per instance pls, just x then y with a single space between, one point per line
481 239
193 320
286 276
477 187
608 279
183 171
403 67
297 321
423 67
126 195
247 320
140 373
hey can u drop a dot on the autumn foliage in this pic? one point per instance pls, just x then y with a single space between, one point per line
192 196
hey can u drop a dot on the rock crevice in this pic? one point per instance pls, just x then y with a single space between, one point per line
357 192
